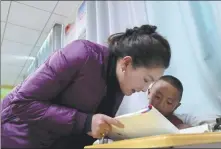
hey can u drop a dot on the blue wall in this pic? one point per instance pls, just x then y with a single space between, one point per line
177 22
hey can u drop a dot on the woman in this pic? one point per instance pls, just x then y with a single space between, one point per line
71 98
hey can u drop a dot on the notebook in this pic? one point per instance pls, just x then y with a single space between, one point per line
197 129
146 122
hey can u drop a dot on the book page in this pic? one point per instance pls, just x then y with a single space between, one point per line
196 129
141 125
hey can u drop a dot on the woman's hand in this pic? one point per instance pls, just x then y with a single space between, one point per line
101 125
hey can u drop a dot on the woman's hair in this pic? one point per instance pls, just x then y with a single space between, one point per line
146 47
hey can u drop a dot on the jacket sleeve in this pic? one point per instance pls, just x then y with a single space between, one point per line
32 103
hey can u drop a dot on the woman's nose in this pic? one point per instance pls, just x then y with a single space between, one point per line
145 88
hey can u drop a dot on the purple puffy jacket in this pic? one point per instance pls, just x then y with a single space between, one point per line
50 107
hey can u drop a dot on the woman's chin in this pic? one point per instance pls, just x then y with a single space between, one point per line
128 93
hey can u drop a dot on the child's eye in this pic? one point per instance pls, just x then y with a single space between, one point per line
169 103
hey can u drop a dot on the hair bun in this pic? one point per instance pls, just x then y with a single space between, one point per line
129 32
150 29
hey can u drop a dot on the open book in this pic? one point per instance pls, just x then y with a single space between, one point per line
147 122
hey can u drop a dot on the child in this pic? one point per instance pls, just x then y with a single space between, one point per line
165 95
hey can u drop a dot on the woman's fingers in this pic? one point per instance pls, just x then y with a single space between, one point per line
105 128
112 121
101 125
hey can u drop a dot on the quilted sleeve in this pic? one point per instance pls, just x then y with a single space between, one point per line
32 103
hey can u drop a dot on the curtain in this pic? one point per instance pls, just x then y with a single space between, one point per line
192 28
107 17
206 15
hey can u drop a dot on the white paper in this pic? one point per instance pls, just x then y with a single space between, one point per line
197 129
142 124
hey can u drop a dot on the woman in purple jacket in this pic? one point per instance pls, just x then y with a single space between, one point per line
70 100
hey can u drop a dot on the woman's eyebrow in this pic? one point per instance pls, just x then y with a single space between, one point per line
152 79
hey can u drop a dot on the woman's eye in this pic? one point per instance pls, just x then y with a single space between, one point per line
145 80
157 97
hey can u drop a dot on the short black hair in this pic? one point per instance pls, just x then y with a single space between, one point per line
146 47
175 82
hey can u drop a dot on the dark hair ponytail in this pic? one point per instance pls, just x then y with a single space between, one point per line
146 47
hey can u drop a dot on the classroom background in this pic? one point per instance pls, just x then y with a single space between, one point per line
32 30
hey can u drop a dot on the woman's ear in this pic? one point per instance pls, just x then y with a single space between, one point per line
127 60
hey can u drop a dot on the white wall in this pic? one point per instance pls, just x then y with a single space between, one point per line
72 35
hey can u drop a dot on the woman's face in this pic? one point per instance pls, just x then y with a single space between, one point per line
138 79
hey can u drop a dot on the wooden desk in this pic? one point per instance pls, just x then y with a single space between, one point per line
174 140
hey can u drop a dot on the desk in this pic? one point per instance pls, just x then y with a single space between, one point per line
175 140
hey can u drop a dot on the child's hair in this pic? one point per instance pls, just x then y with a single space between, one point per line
175 82
146 47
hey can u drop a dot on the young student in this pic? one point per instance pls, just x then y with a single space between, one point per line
165 95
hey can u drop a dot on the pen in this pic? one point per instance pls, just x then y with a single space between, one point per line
103 140
147 109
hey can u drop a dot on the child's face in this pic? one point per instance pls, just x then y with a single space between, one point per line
164 97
